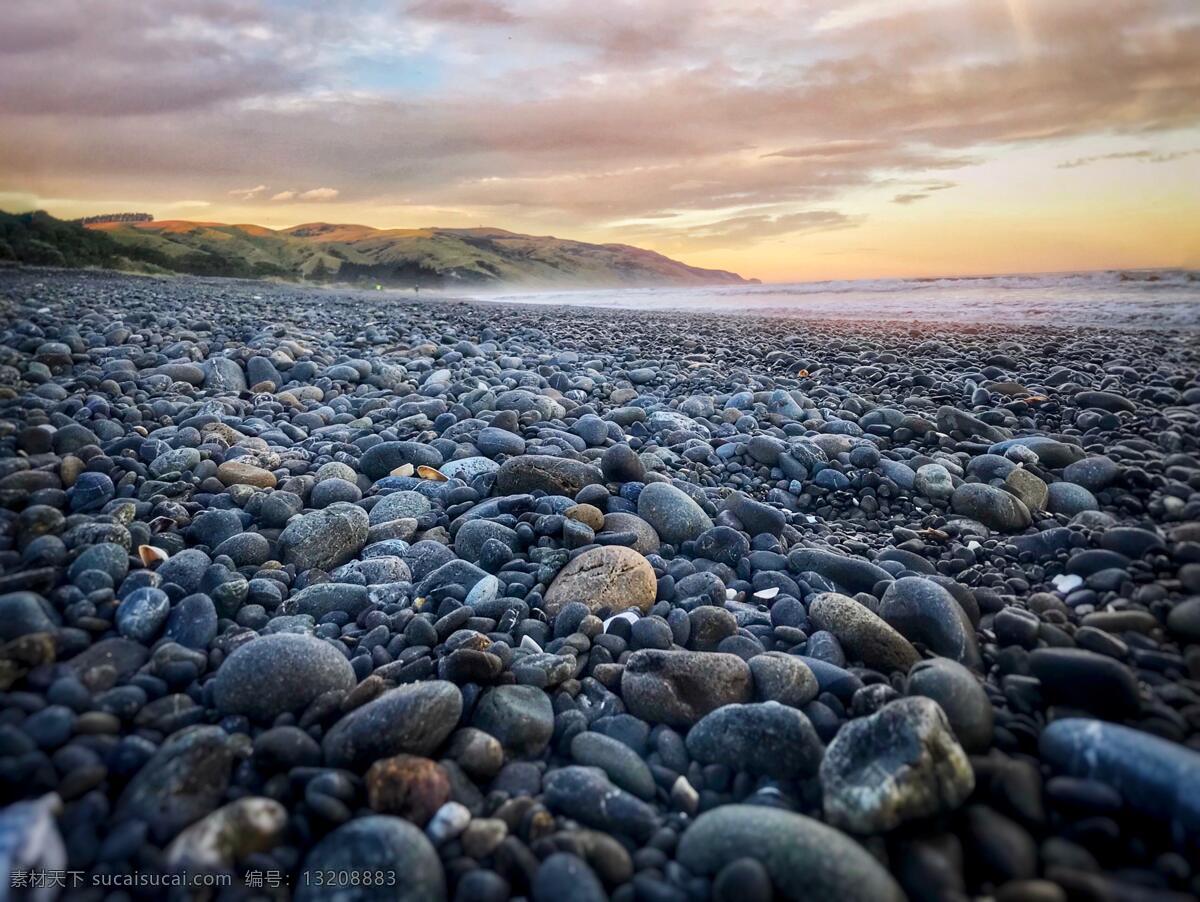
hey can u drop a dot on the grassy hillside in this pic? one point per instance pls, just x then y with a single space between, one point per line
41 240
403 257
38 239
321 252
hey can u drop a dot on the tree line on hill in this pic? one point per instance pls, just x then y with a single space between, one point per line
115 217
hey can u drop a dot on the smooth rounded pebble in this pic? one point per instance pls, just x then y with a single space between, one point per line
275 674
807 861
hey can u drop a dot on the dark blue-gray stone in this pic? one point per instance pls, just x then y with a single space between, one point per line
807 860
193 622
849 573
413 719
622 764
107 557
22 613
141 614
1154 776
323 598
184 780
280 673
520 717
586 795
374 844
922 611
565 876
1050 452
766 738
1083 679
91 492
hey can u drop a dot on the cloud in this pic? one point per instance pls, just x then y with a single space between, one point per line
746 228
318 194
583 115
926 191
831 149
1144 156
312 195
466 12
249 193
139 58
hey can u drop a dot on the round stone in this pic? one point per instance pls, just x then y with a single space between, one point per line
645 539
1070 499
399 505
922 611
520 717
783 678
766 738
239 472
807 860
864 636
609 577
22 613
961 697
412 719
622 764
678 688
409 786
565 876
991 506
540 472
900 763
142 613
279 673
376 844
672 512
324 539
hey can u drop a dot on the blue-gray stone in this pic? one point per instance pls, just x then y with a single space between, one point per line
1154 776
22 613
765 738
412 719
1050 452
279 673
849 573
922 611
376 844
673 514
142 613
807 860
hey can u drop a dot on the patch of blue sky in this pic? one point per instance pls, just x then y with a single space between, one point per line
402 72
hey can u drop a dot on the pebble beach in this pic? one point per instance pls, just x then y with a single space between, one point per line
354 596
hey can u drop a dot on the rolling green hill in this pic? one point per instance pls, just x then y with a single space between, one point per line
323 252
354 254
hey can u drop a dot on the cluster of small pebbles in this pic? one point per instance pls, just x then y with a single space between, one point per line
454 601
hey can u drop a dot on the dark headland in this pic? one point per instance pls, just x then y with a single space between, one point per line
354 597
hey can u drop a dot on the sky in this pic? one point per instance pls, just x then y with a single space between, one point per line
789 140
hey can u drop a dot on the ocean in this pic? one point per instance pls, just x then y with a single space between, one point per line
1154 299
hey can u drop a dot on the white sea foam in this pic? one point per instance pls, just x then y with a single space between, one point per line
1137 298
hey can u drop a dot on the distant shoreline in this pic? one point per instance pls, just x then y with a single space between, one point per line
1076 310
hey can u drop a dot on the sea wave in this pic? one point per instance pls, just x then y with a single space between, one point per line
1140 298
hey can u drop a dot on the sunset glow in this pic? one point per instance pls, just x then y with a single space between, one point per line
791 140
